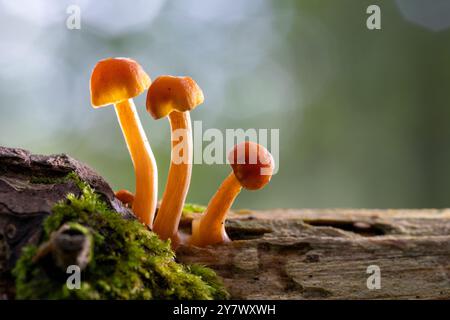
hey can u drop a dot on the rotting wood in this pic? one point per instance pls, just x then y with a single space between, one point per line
275 254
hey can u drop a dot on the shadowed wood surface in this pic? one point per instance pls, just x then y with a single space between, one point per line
275 254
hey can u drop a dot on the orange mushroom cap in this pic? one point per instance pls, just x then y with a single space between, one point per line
117 79
169 93
252 165
125 196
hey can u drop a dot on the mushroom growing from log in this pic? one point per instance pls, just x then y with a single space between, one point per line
116 81
126 197
252 168
174 97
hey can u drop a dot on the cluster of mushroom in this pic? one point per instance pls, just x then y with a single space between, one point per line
117 81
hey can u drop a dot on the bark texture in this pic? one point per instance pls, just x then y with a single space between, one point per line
325 254
276 254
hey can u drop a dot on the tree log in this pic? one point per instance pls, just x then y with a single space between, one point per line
275 254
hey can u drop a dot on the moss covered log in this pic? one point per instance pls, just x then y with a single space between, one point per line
275 254
126 260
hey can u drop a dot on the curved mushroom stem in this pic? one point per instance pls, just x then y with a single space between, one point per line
178 180
144 163
210 228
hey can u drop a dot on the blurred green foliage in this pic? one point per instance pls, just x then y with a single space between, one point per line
363 115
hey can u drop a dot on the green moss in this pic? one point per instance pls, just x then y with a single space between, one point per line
211 278
129 262
193 208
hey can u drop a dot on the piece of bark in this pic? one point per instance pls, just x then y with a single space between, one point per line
325 254
276 254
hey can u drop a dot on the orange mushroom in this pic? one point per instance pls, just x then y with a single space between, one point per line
126 197
116 81
252 168
174 97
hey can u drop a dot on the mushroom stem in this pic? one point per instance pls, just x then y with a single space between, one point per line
171 208
145 197
210 228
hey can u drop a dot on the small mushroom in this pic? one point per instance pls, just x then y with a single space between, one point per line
252 168
174 97
116 81
126 197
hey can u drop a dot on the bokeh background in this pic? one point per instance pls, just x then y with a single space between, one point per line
364 116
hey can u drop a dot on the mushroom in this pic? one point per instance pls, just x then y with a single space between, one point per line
116 81
126 197
174 97
252 168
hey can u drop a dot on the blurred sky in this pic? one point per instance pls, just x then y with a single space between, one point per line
364 116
